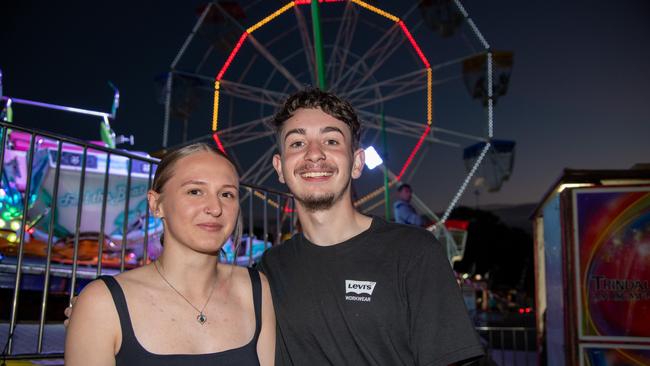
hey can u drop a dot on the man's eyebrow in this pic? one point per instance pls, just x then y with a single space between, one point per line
331 129
300 131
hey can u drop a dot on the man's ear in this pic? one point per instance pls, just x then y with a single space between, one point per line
277 164
359 159
153 199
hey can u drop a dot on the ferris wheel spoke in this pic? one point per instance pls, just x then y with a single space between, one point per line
392 32
397 129
453 62
273 61
344 36
252 93
248 67
204 58
408 133
233 132
359 72
269 171
264 173
397 93
259 47
402 90
421 155
371 51
237 133
245 126
374 205
255 167
306 43
410 77
417 126
398 87
252 136
370 141
383 54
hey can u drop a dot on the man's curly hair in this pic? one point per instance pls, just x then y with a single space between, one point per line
314 98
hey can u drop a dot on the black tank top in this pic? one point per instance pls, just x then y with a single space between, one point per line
132 353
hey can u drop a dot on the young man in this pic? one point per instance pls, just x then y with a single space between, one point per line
403 211
347 291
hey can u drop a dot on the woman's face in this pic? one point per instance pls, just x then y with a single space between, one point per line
199 203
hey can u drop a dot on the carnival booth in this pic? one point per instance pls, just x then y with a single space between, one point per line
592 258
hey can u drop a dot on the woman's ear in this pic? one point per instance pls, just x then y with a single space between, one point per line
153 199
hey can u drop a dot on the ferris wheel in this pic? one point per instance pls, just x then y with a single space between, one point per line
240 62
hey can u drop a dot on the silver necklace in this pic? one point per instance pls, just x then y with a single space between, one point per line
201 318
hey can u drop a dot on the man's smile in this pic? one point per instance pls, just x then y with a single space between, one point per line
316 174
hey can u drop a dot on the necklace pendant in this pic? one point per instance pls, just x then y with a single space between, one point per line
201 318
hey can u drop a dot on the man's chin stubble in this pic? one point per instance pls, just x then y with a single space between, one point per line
313 204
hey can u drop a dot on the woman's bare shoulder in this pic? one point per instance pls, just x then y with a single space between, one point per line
93 328
95 293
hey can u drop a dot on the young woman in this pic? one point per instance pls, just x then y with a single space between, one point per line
185 308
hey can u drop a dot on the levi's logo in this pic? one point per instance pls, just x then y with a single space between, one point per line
359 287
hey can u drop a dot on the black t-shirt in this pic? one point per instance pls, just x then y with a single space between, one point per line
385 297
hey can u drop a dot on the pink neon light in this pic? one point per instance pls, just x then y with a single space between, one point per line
232 55
216 139
287 209
415 150
414 44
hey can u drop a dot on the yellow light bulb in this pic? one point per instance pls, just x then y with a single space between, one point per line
15 225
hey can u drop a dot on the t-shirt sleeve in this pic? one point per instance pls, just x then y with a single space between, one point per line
441 332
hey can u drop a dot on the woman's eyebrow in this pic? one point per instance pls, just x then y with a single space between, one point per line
193 181
202 183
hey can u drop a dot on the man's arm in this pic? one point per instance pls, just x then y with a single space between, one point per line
441 330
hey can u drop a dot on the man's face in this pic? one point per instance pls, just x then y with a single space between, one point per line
316 160
405 194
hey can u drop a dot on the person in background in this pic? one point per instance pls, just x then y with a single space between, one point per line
403 211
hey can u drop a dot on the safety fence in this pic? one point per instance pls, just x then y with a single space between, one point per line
72 210
509 345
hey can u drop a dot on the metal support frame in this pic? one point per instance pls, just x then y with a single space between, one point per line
348 74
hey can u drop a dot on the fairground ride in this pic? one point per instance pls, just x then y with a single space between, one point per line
393 63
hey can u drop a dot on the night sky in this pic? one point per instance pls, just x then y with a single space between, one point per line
579 94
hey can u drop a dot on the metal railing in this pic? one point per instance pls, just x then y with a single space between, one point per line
59 195
509 345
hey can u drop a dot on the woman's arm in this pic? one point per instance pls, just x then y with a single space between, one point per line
266 341
93 335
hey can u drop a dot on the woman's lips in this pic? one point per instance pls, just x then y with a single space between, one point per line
212 227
